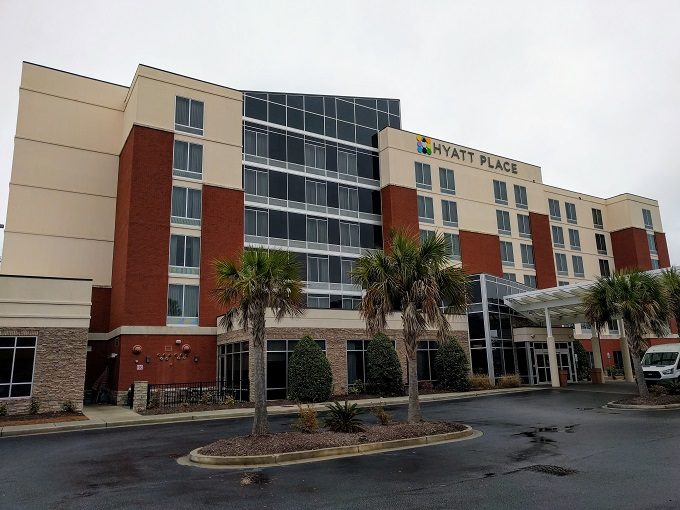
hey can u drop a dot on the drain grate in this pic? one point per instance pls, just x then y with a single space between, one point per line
550 470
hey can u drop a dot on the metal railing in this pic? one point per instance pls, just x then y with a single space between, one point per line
205 392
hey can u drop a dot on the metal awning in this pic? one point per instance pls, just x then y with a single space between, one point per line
564 304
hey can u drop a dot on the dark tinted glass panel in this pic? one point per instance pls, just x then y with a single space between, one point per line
276 369
296 101
277 185
297 224
394 106
346 131
258 95
475 292
476 325
355 366
278 224
8 341
329 106
296 150
375 201
26 341
334 270
296 188
377 232
296 119
506 328
331 158
509 360
314 104
336 302
6 365
23 365
345 110
365 200
367 136
365 165
21 390
368 103
395 121
314 123
382 104
332 194
277 114
423 364
366 117
479 362
278 98
366 235
333 231
383 120
302 262
277 146
355 345
330 127
255 108
4 391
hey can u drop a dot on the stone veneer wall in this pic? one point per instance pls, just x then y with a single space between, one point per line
336 346
59 370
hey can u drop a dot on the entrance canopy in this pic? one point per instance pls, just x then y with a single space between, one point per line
563 304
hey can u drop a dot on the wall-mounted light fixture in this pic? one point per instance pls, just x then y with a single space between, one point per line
195 359
148 359
178 341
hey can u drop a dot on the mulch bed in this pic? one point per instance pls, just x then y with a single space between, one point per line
192 408
651 401
34 419
298 441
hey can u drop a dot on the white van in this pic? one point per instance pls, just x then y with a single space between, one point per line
660 363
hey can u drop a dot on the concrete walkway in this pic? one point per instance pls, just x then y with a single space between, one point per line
105 416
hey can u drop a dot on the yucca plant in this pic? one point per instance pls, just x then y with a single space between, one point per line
344 418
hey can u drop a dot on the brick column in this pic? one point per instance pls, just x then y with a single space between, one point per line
662 249
481 253
544 257
630 249
399 211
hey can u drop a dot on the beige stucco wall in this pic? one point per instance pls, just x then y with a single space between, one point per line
626 211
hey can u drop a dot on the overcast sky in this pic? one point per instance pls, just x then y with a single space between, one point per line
588 90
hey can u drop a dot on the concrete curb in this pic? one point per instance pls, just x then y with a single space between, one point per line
326 453
632 407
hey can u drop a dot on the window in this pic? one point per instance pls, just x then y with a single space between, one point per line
655 264
318 301
315 192
182 301
278 357
554 207
256 182
317 269
647 219
651 242
188 115
187 160
317 230
500 192
524 225
450 213
521 197
349 234
356 360
561 263
613 327
571 212
351 302
452 245
604 268
426 352
17 356
447 181
527 255
185 252
347 163
348 198
233 365
346 268
255 143
315 156
574 239
503 222
577 262
507 256
424 234
423 175
558 236
597 218
510 276
257 223
186 206
425 209
601 243
530 280
562 283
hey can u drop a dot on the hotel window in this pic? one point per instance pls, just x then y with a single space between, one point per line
315 192
348 198
255 143
257 223
315 156
530 280
450 213
423 175
651 242
604 268
562 283
577 262
186 206
554 207
318 301
647 219
601 243
447 181
17 359
574 239
521 197
597 218
347 163
426 353
346 268
655 264
558 236
256 182
278 360
182 301
317 230
187 160
561 263
510 276
185 254
524 225
317 269
507 256
527 255
189 115
571 212
424 234
356 360
500 192
351 303
503 222
349 234
425 209
452 245
613 327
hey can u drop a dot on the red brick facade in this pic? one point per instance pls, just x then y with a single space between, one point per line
662 249
480 253
399 210
544 257
630 249
101 310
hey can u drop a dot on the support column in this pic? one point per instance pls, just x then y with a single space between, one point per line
625 354
552 353
597 357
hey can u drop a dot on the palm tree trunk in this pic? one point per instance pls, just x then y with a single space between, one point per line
414 413
643 391
260 425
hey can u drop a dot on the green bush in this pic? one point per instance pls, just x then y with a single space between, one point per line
3 409
69 407
672 387
582 368
309 373
383 371
451 366
34 407
344 418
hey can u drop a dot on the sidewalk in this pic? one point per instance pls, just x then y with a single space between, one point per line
104 416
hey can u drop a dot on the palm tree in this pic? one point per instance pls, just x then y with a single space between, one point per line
415 279
640 300
246 288
671 279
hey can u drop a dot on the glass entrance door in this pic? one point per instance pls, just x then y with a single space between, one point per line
541 366
541 362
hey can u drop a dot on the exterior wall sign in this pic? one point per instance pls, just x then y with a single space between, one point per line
426 146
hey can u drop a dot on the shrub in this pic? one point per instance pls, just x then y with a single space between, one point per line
307 420
229 401
509 381
384 417
480 382
154 402
69 407
658 390
344 418
582 368
356 388
34 407
208 397
3 409
451 366
309 373
383 371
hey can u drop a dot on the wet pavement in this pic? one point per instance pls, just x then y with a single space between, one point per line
549 449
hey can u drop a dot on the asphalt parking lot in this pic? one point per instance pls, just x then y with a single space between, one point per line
545 449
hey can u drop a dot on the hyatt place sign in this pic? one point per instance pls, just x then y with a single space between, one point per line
428 147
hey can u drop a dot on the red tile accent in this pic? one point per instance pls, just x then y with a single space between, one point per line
630 249
399 210
662 249
481 253
544 257
100 310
